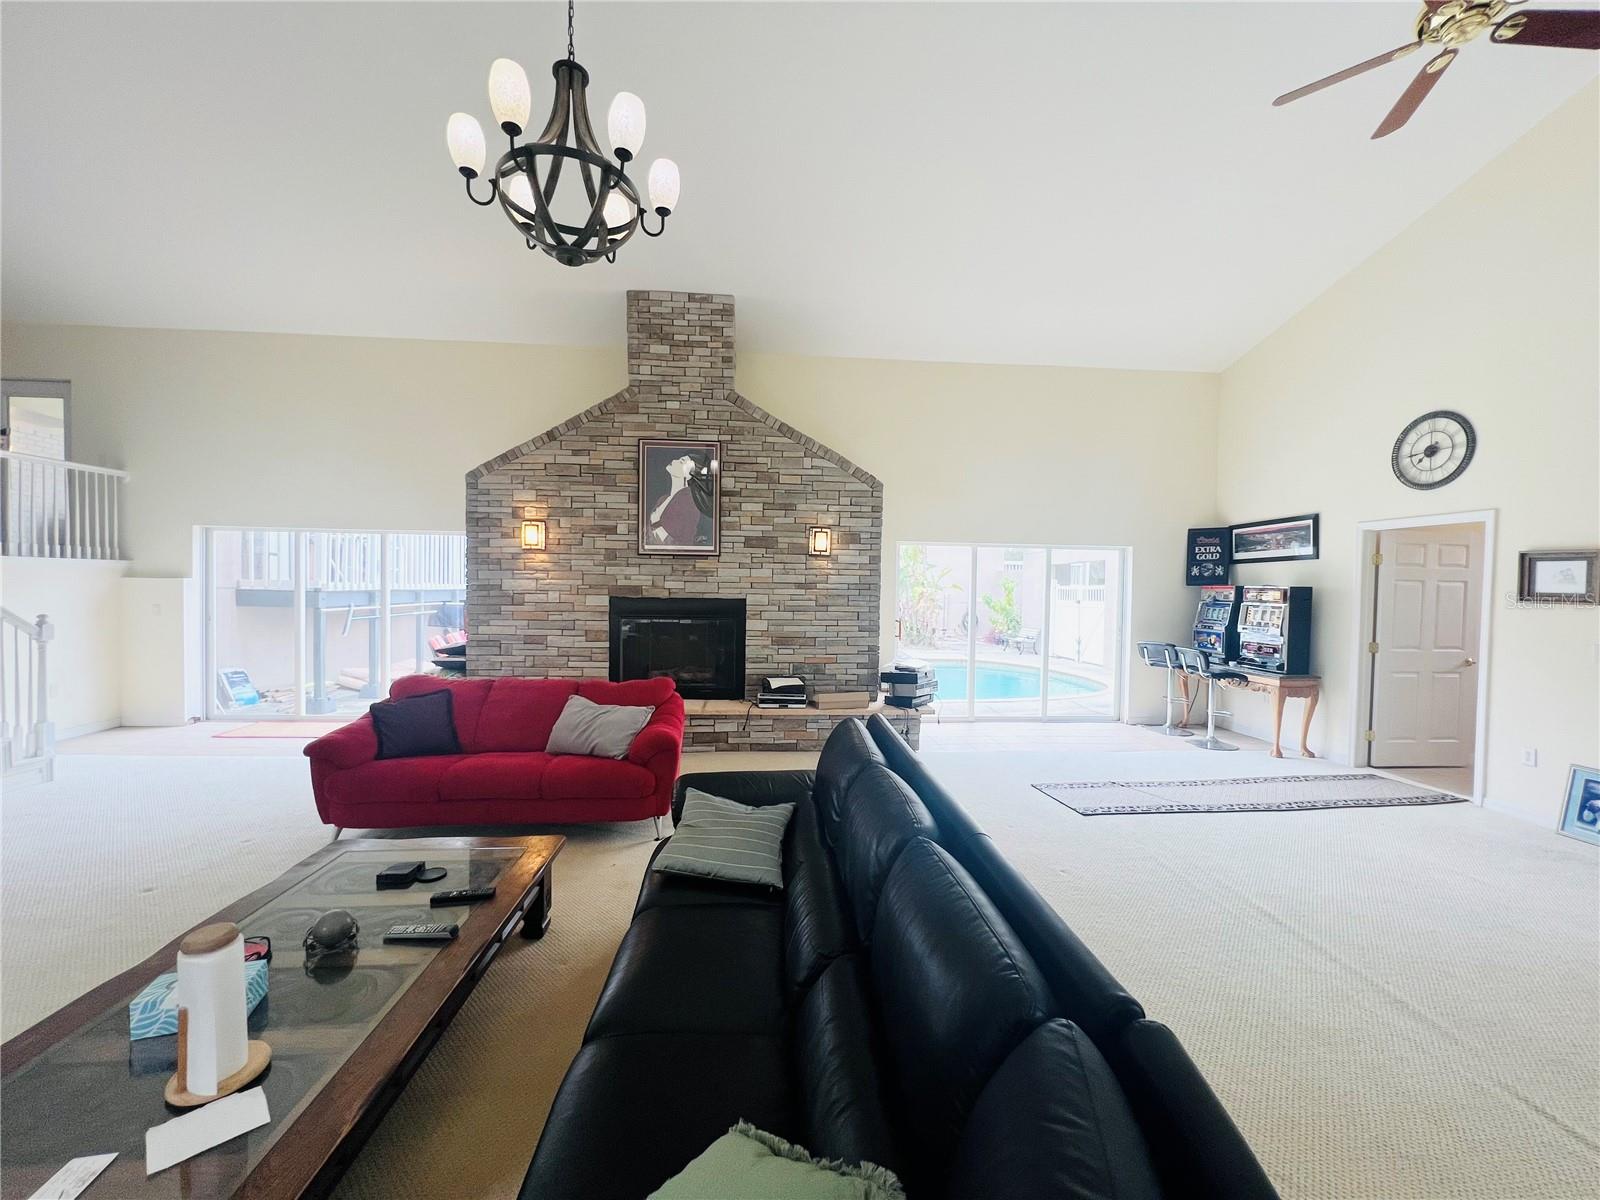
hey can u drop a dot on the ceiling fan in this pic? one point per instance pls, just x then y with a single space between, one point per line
1453 23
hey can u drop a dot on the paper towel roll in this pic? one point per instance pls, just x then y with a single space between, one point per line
211 988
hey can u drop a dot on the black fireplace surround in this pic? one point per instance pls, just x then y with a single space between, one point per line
699 642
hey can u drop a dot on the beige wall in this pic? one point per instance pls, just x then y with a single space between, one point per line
1490 305
1023 454
267 429
83 602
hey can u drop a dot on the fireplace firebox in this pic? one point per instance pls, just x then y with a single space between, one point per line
698 642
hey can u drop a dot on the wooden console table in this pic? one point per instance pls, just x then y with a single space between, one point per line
1283 687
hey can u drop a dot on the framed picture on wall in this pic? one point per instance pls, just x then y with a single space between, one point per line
1557 576
1581 816
679 485
1286 539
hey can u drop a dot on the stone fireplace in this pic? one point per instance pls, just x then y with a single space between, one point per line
554 611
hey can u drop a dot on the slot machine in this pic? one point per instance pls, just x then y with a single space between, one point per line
1216 623
1275 629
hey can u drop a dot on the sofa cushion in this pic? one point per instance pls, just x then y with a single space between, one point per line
520 713
881 815
573 777
467 698
848 749
500 776
723 839
416 726
1197 1146
957 992
392 781
634 1111
714 969
754 788
599 730
836 1062
816 922
1053 1121
663 889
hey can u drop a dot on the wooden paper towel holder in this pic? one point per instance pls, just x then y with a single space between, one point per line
177 1093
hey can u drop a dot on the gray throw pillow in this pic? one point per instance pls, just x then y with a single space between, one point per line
598 730
721 839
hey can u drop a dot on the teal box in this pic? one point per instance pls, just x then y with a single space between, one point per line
154 1011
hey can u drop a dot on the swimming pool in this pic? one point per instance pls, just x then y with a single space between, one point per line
1001 681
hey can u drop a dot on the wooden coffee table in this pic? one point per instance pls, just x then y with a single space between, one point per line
345 1035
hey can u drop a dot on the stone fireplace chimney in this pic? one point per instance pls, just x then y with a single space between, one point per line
546 612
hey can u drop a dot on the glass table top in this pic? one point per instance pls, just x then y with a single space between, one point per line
95 1091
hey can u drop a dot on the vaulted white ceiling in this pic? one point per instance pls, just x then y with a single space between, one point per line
1084 184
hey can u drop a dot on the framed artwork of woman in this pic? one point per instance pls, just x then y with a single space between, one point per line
679 482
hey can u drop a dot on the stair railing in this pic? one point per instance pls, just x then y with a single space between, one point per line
27 735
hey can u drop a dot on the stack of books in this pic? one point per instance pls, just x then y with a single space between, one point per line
782 691
833 701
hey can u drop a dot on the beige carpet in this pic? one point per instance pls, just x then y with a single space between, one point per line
1395 1004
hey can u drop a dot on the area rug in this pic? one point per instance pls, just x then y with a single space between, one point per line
1264 793
283 729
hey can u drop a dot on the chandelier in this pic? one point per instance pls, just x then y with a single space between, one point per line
525 177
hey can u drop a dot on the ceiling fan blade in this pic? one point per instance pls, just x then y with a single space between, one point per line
1411 99
1348 73
1550 27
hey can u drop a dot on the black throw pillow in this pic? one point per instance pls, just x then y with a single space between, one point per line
417 726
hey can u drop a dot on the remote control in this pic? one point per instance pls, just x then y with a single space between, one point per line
421 933
461 896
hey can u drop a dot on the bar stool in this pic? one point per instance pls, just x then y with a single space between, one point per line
1164 655
1196 665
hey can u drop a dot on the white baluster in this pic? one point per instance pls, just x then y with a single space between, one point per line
116 522
52 528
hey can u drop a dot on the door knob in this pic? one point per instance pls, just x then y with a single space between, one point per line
1471 662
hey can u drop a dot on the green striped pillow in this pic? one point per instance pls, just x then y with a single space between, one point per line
721 839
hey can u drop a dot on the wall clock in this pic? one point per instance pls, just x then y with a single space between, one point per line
1433 449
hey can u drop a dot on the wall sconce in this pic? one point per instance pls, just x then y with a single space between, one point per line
819 541
533 535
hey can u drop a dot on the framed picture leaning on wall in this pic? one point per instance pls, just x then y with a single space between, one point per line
679 485
1287 539
1580 818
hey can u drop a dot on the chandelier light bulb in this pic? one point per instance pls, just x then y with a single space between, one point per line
664 185
618 210
625 124
465 137
509 95
520 192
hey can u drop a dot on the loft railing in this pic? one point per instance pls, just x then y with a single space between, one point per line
27 737
50 508
348 561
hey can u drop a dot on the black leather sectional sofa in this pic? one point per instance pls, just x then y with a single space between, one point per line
907 999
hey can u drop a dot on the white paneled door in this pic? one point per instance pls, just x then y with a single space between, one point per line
1425 672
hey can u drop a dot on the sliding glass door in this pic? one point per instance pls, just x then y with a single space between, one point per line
318 622
1018 633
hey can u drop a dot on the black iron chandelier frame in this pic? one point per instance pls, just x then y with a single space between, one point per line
570 245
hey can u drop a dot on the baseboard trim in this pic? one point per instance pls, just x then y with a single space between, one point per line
77 731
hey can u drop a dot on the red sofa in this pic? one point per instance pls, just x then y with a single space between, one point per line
504 776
